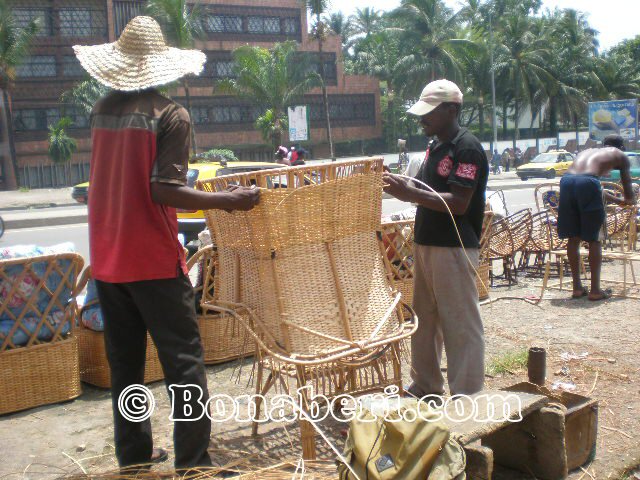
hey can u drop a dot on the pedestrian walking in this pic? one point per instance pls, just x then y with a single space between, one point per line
445 294
581 213
138 175
495 162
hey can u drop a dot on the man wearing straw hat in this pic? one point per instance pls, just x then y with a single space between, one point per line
138 173
447 233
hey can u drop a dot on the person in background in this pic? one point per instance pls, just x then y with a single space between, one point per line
495 162
301 152
281 155
445 293
506 158
581 213
139 163
294 155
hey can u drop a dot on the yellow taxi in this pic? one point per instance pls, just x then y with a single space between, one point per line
191 222
551 164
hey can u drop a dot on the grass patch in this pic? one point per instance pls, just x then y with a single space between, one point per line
510 362
25 189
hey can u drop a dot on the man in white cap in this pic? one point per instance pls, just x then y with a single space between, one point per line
445 294
139 163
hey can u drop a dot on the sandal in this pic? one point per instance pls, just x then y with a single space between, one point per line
584 293
159 455
606 294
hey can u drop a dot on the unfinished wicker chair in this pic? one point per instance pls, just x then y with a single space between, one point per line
94 366
38 352
303 272
509 237
223 338
547 197
544 239
397 241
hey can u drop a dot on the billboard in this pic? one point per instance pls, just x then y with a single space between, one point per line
618 117
298 123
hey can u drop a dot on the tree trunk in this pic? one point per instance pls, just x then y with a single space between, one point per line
10 165
276 138
504 120
553 115
481 119
575 123
392 114
516 123
325 97
194 145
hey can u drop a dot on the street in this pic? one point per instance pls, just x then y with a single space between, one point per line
78 233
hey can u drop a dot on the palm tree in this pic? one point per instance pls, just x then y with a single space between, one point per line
431 28
182 24
340 25
381 56
61 145
272 80
522 60
366 21
85 95
317 8
14 48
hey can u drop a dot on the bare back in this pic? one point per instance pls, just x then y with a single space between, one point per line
599 162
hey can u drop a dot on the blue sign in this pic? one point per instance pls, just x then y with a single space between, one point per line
619 117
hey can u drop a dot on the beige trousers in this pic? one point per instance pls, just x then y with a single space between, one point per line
445 299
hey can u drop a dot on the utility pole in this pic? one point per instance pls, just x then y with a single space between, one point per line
493 85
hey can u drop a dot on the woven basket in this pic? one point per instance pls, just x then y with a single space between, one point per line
94 367
223 339
482 280
39 375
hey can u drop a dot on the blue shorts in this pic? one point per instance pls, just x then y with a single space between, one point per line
581 210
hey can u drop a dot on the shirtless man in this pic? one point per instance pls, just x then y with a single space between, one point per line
581 213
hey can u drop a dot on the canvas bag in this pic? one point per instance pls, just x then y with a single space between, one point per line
379 448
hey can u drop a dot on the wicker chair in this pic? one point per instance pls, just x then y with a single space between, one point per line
94 367
223 339
38 352
544 239
484 264
509 237
397 242
547 197
303 272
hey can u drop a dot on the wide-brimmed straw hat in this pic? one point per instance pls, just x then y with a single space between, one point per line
139 59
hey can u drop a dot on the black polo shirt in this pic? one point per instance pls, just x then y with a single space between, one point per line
463 162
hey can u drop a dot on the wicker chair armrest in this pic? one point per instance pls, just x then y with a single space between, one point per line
199 255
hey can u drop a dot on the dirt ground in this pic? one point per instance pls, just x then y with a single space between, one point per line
77 436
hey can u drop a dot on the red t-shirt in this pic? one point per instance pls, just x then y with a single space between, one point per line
138 138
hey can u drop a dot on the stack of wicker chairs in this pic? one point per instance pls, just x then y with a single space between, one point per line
509 236
544 239
303 272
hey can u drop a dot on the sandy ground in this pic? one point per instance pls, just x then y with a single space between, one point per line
53 440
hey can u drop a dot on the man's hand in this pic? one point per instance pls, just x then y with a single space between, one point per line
242 198
398 187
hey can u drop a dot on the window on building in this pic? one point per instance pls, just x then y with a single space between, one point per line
124 12
224 69
35 119
263 25
81 22
37 66
223 23
71 67
200 115
290 26
79 118
24 16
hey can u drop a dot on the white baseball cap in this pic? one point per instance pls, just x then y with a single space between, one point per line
435 93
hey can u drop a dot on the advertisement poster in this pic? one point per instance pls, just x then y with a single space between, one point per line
618 117
299 123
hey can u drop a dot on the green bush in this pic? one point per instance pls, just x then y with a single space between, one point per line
216 155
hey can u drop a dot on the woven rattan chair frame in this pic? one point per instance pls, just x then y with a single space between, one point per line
509 236
397 242
223 338
68 282
326 221
540 190
41 371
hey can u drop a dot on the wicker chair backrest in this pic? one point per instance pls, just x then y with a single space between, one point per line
306 261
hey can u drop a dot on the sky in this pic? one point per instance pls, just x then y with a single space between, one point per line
616 20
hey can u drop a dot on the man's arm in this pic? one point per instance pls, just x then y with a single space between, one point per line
625 179
457 200
187 198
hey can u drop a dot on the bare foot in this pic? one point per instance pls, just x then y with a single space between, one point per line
600 295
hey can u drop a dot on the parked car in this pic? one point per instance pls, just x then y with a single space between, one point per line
551 164
191 222
634 159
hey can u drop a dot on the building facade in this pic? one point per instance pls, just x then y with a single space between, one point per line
221 121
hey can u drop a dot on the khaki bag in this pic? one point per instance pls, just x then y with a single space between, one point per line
388 446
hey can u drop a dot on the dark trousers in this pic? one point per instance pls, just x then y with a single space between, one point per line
166 309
